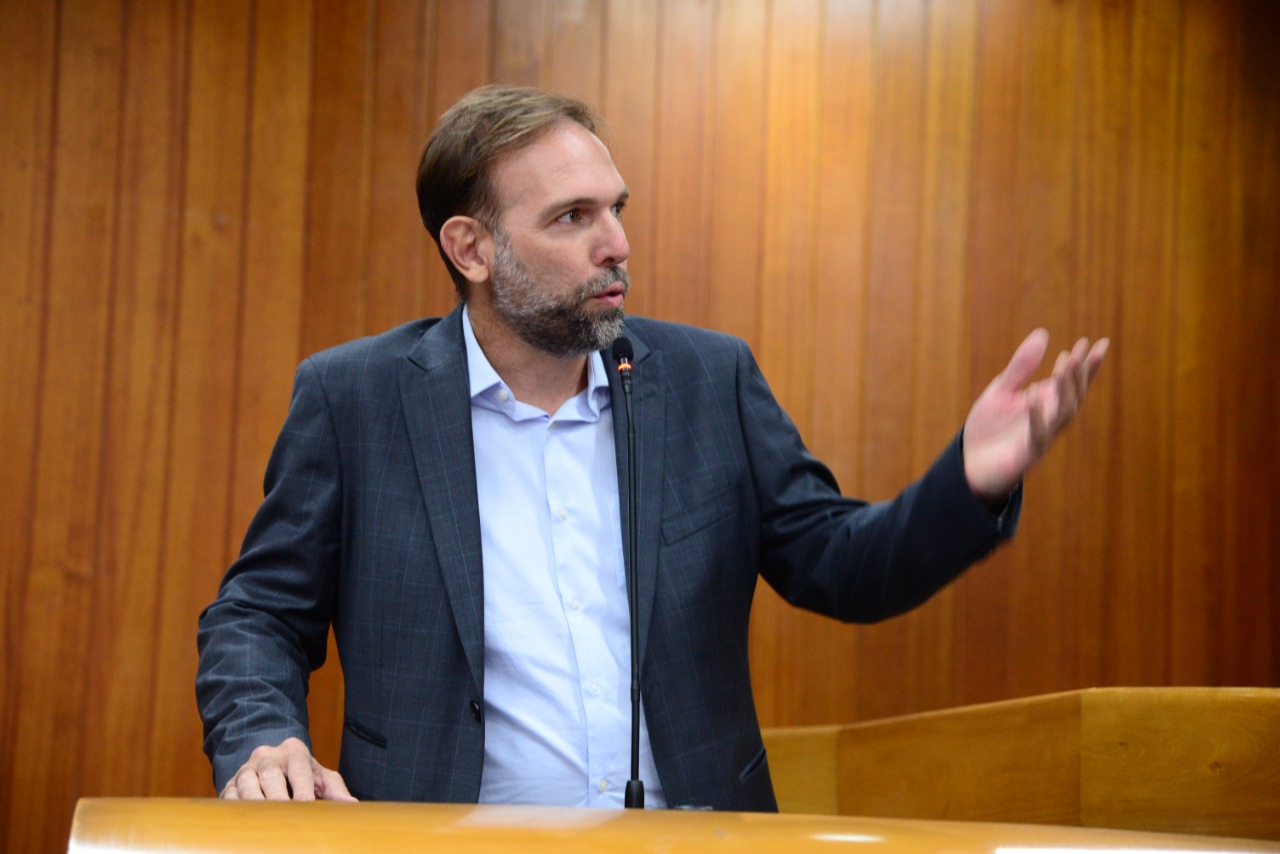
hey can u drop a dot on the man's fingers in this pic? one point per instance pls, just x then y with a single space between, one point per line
329 784
1040 430
1026 359
1098 352
301 780
1060 364
246 785
275 787
286 771
1072 373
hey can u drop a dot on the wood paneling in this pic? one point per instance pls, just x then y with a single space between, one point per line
1016 761
1176 760
681 276
1136 602
883 198
631 93
27 106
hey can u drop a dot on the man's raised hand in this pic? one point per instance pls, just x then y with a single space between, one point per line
1013 423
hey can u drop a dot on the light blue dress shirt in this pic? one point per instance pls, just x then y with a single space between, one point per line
557 662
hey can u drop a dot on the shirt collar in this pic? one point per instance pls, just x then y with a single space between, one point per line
486 385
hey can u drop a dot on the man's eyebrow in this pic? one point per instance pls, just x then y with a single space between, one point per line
581 202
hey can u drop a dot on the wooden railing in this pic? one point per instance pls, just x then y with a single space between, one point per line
1185 760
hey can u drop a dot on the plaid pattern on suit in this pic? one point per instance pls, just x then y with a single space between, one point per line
370 523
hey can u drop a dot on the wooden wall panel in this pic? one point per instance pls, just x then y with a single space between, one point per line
1105 75
1208 268
1136 600
629 101
1247 299
681 278
881 197
53 615
736 228
520 42
576 29
339 177
397 126
202 414
462 59
26 116
130 568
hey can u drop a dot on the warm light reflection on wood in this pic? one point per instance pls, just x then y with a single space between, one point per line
208 825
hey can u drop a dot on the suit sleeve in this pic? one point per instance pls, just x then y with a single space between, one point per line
849 559
268 627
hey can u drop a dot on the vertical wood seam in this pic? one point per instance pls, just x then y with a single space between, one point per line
238 343
104 568
1175 276
655 175
369 116
15 622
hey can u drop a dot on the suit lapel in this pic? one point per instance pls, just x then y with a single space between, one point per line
435 394
650 423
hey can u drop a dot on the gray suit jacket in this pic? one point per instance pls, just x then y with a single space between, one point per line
370 523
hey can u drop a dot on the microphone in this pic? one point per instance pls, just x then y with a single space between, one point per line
622 355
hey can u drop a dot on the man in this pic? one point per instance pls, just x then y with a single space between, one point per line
446 495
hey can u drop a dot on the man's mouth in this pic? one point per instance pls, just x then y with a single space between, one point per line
612 295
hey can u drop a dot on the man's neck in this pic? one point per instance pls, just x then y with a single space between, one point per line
535 377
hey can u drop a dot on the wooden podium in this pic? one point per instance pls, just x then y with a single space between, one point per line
1182 760
209 825
1051 770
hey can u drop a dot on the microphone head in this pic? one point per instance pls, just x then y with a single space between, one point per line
623 353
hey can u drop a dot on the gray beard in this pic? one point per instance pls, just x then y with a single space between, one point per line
559 325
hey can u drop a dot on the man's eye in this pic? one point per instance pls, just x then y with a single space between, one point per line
618 208
570 216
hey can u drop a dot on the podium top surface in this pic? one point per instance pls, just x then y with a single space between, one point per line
207 825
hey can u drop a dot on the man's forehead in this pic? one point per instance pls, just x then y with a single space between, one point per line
567 161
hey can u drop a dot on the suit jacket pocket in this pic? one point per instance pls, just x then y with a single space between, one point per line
363 733
718 504
757 762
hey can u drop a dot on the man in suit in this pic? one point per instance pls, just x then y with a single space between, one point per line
447 496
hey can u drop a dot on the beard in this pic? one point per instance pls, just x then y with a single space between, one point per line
559 324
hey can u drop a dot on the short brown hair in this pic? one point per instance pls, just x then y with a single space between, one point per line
453 174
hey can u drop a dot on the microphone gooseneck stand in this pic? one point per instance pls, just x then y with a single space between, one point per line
622 355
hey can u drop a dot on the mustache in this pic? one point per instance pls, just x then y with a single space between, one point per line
604 281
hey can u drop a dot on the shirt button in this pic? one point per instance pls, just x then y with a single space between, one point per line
604 785
576 604
564 514
595 688
503 394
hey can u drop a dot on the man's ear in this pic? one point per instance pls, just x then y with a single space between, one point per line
463 239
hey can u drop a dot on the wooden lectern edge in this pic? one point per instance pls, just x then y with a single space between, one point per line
198 825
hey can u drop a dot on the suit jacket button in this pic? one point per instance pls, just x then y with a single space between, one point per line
475 710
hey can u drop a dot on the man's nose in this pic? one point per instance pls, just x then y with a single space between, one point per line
612 248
